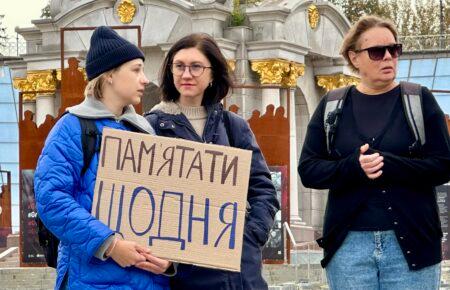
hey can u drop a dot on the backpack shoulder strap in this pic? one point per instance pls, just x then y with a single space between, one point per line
333 108
412 106
227 123
89 136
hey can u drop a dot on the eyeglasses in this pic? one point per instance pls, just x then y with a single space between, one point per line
195 70
378 52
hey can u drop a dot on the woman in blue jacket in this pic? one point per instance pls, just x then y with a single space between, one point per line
194 79
90 255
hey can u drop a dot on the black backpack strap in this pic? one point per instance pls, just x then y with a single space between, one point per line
333 109
47 240
412 106
90 141
227 123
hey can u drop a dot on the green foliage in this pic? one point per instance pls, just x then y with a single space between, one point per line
46 11
237 15
419 17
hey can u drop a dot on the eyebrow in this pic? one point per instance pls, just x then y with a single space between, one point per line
194 62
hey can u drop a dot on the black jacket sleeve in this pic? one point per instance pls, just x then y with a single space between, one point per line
316 168
433 167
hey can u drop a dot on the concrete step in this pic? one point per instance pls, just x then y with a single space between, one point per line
10 258
289 277
27 278
279 274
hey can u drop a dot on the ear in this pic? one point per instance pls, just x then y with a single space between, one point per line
109 77
353 56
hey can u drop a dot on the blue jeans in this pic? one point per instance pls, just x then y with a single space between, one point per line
375 261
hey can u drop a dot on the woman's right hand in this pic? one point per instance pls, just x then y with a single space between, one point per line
125 253
371 163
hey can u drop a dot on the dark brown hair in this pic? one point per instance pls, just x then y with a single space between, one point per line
351 40
221 79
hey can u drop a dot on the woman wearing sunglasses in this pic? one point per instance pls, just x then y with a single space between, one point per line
381 228
194 79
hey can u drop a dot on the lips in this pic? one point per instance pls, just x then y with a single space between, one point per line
387 67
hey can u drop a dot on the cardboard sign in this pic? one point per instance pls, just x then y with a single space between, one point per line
185 200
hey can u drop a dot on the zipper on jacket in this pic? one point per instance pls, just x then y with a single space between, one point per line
215 112
206 125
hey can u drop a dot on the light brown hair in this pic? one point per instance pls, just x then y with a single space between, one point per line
351 39
95 86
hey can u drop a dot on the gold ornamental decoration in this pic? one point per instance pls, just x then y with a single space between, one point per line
270 71
43 80
80 69
36 81
23 85
296 70
331 82
126 11
278 71
231 64
313 16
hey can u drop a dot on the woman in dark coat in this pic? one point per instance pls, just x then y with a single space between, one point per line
194 79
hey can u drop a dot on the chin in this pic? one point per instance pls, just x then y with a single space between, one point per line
387 78
135 101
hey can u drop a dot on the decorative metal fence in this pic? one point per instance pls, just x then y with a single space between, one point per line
425 42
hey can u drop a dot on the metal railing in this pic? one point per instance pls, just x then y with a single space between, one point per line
425 42
13 48
305 246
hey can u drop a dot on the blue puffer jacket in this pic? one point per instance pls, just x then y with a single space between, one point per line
64 202
168 121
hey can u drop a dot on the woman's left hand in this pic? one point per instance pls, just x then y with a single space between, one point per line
153 264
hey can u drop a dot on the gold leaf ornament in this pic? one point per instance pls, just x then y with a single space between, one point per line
126 11
313 16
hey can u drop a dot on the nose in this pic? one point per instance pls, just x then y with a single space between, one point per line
187 72
387 55
145 80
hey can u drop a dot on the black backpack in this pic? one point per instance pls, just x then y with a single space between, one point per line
89 136
411 94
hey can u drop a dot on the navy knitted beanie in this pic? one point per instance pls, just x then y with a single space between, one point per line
108 50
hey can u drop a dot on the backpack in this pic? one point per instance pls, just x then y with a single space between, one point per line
411 95
89 136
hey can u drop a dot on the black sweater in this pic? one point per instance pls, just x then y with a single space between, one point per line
407 182
373 115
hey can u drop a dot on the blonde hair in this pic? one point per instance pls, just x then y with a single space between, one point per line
351 39
95 86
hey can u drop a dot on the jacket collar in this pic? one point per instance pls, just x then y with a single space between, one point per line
91 108
172 108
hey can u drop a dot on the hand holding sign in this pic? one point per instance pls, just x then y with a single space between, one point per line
126 253
154 264
185 200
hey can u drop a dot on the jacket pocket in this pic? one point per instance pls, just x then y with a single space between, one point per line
257 235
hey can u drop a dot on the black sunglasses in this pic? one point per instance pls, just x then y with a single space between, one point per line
378 52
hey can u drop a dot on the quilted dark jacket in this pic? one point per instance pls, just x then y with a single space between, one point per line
168 121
